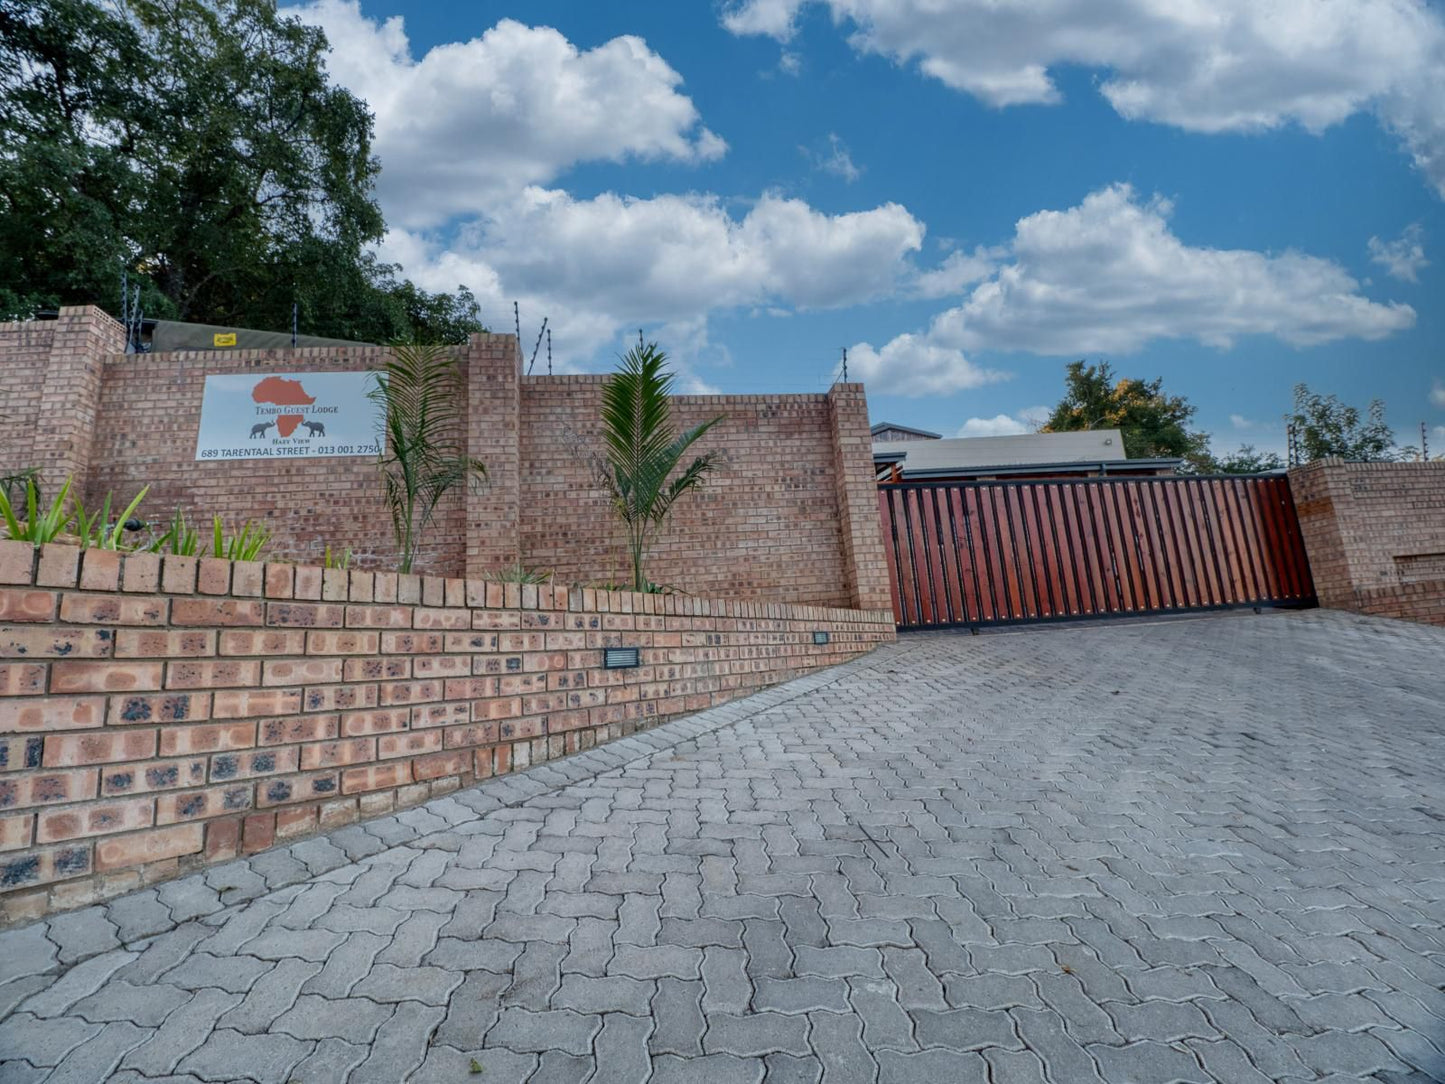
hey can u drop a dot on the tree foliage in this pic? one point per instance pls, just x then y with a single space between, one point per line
421 397
1325 427
199 144
1154 425
1248 460
642 450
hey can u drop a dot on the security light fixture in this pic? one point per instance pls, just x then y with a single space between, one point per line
619 658
820 636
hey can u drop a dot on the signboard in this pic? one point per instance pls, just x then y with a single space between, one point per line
288 416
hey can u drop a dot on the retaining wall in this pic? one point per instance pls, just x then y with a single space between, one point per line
159 714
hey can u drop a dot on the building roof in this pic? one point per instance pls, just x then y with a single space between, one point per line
1028 449
881 426
1097 449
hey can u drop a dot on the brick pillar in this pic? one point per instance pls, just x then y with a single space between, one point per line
493 370
1321 502
70 394
858 498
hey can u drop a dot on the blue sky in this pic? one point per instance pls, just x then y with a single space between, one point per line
965 194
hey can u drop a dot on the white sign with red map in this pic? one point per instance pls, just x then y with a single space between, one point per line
288 416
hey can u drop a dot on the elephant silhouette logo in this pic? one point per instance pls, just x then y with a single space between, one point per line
316 428
259 429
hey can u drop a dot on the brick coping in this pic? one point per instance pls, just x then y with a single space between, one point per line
68 567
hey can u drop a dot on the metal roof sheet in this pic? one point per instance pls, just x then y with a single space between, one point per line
1028 449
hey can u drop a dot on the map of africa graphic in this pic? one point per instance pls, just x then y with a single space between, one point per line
281 392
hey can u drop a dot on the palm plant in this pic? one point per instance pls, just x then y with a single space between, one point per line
420 394
642 452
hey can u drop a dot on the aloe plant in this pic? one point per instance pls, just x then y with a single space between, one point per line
38 526
520 573
247 544
180 539
97 532
642 451
184 540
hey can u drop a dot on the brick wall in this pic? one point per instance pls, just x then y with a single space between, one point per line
24 351
158 714
1375 533
766 523
789 515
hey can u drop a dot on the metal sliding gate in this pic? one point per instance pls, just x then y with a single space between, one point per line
992 553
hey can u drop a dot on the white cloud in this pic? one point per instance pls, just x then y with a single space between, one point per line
520 105
835 159
958 270
600 265
1108 276
912 365
1027 420
470 134
1404 257
1202 65
1239 421
1437 393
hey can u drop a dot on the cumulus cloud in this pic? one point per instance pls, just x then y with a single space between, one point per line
914 365
611 262
1404 257
1109 277
1437 393
1027 420
958 270
471 133
519 105
1226 65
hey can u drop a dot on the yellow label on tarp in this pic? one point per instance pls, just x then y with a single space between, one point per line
224 338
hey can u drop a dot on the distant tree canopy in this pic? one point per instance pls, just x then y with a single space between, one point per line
1154 425
1247 460
1324 427
199 144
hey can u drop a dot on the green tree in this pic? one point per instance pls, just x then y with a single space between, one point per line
1246 461
642 451
1325 427
200 144
421 396
1154 425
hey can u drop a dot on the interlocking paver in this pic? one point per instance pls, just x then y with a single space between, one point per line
951 858
268 1059
183 1031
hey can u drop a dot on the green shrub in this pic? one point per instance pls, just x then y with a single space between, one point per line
39 526
184 540
97 532
341 560
247 544
520 573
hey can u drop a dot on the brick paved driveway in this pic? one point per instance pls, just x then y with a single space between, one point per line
1190 851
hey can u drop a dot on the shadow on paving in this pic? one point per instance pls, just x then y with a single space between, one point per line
1204 850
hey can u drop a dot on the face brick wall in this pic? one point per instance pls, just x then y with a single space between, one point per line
145 434
24 351
789 514
767 511
160 714
1375 533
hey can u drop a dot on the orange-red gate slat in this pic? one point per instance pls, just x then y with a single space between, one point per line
986 553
